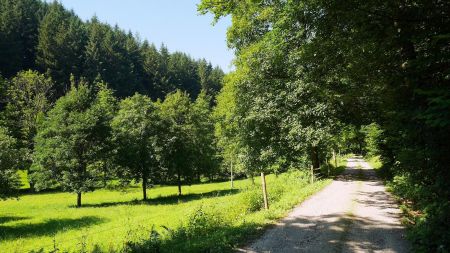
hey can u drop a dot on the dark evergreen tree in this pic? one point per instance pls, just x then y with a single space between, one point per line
61 45
19 22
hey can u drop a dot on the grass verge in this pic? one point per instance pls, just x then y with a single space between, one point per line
208 218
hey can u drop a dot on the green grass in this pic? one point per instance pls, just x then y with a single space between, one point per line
23 177
110 219
375 162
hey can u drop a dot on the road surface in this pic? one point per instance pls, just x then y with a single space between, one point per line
353 214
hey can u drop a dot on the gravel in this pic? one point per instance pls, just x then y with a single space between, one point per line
353 214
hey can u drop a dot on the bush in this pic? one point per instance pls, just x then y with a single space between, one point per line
426 215
252 200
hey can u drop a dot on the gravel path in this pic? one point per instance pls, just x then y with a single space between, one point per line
353 214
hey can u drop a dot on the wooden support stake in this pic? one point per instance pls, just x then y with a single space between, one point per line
264 189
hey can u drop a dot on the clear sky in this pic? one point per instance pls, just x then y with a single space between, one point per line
175 23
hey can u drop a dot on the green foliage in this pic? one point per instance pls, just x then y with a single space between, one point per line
427 220
27 97
9 181
203 142
226 125
61 43
178 147
19 22
44 36
328 66
372 134
72 139
136 130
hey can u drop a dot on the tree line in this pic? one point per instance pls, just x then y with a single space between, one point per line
89 137
51 39
82 103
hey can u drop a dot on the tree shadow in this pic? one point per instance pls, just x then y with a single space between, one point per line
167 200
6 219
48 227
331 233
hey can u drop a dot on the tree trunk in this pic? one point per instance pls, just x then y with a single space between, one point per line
264 189
78 199
231 175
252 179
31 187
144 185
179 184
315 157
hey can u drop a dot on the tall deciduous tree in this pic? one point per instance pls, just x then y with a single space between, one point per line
205 162
178 144
71 140
226 126
137 130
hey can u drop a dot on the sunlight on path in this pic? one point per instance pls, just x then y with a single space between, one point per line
353 214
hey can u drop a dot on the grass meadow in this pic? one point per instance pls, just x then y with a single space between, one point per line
209 217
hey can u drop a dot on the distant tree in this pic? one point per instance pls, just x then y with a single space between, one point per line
204 147
72 140
137 130
19 22
226 127
28 98
178 143
60 50
182 72
210 78
9 181
113 56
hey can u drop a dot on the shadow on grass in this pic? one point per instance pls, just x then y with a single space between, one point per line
167 200
48 227
6 219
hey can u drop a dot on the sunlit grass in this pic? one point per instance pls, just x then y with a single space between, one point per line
109 218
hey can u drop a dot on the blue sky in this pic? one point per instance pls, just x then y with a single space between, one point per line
175 23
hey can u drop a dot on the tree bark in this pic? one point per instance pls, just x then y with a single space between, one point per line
78 199
264 189
179 184
144 185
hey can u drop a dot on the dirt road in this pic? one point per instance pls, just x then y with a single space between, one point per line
353 214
